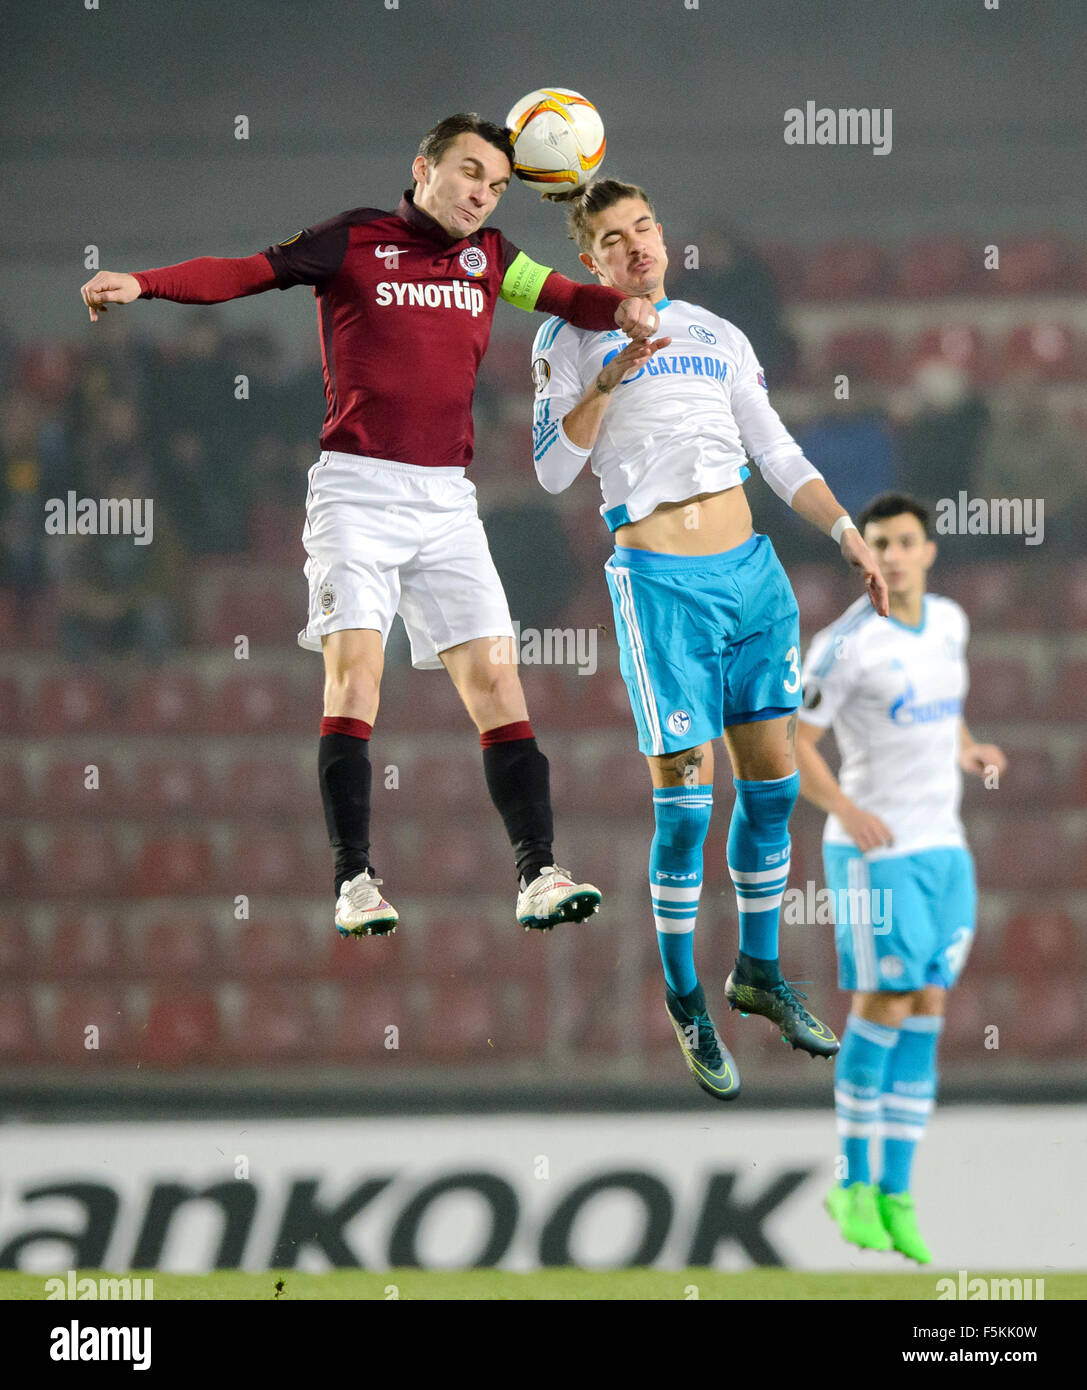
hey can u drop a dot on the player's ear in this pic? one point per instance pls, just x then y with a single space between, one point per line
419 169
588 262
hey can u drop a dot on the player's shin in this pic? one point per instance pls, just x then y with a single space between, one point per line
908 1097
682 818
518 779
758 863
344 772
860 1074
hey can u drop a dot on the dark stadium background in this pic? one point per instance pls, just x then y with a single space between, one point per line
118 904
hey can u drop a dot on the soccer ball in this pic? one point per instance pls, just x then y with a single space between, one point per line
558 139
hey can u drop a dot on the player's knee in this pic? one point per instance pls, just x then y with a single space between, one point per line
351 692
768 803
680 827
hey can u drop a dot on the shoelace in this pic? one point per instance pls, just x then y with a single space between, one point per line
707 1040
790 996
362 887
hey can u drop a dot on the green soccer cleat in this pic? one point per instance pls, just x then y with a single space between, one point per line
856 1210
706 1055
781 1005
896 1210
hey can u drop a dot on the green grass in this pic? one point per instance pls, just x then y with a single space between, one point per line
477 1284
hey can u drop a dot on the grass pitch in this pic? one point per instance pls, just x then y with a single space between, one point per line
541 1285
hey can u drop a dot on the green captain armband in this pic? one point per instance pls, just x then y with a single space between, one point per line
522 283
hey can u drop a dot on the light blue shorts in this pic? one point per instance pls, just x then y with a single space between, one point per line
705 641
902 922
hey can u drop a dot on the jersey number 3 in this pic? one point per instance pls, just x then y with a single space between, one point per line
792 680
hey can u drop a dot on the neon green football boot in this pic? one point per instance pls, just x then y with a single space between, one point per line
896 1210
856 1210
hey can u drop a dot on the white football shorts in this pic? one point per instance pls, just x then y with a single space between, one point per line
386 538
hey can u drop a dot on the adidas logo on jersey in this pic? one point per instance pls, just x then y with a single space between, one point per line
458 295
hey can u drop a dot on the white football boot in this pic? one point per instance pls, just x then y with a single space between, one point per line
554 897
362 911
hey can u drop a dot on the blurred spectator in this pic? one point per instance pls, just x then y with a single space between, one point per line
942 423
734 282
852 445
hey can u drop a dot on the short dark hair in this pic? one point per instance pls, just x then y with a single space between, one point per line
889 504
591 198
436 141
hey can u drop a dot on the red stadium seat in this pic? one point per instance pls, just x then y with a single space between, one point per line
938 266
262 612
786 266
167 702
275 538
71 702
423 700
960 344
1068 693
256 788
368 959
845 270
20 1040
88 946
1043 1018
1032 778
174 864
1030 852
1047 348
253 702
1041 943
456 858
81 1008
452 781
64 789
990 591
16 947
868 354
272 861
11 706
16 868
366 1017
182 1030
818 594
1000 688
968 1015
166 786
180 947
13 787
466 947
266 950
1031 265
84 860
277 1024
462 1022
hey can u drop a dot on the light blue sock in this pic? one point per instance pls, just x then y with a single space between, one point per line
859 1074
909 1094
682 816
758 859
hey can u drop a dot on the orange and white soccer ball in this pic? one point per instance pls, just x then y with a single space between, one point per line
558 139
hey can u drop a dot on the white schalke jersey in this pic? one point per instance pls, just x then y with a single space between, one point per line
683 424
893 696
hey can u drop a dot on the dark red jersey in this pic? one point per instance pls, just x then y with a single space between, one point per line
405 315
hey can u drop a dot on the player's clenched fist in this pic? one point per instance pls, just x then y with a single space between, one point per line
637 318
109 287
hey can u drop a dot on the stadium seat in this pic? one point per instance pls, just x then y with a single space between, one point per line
845 270
181 1030
1000 688
961 344
89 946
20 1040
938 266
16 947
1030 852
366 1014
16 870
1043 1018
277 1024
82 860
423 700
270 787
990 591
454 858
167 702
262 612
1069 685
11 706
1041 942
64 789
71 702
275 538
178 948
13 786
968 1014
466 946
1031 265
1033 777
819 595
786 266
79 1008
253 702
369 959
1050 349
867 354
1073 608
462 1022
445 782
169 786
274 950
271 861
172 864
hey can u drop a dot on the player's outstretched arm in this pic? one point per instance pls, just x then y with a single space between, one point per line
819 786
206 280
978 758
815 502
